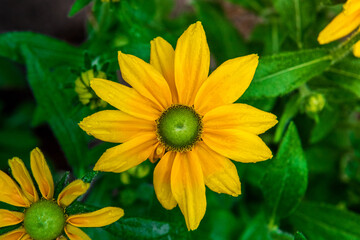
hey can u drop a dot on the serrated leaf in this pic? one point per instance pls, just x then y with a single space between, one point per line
326 222
281 73
296 15
50 96
50 50
78 6
285 180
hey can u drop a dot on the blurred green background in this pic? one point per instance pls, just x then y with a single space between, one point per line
309 190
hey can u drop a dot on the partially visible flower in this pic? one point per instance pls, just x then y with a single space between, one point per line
83 89
343 24
175 112
45 218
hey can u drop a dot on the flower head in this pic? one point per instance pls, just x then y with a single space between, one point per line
82 88
175 112
343 24
45 218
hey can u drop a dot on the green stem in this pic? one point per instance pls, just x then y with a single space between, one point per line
344 48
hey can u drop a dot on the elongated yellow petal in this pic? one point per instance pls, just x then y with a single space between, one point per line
220 173
356 50
162 59
115 126
145 79
42 174
188 188
75 233
71 192
99 218
162 181
339 27
237 145
26 237
125 99
61 238
351 6
128 154
227 83
8 218
11 193
22 176
239 117
192 61
16 234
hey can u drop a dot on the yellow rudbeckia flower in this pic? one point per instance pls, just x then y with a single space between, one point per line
176 112
45 218
343 24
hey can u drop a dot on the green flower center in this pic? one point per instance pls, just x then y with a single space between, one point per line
179 127
44 220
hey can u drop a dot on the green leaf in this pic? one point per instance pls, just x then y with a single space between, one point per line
326 222
285 180
346 75
56 104
297 15
77 6
139 228
282 73
257 229
61 184
299 236
52 51
290 111
327 121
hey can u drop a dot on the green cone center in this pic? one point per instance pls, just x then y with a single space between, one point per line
44 220
179 128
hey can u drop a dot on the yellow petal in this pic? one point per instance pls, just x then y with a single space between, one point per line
162 184
162 59
115 126
158 152
339 27
22 176
239 117
75 233
237 145
8 218
128 154
11 193
99 218
220 173
227 83
356 49
188 188
145 80
351 6
192 61
26 237
125 99
42 174
16 234
71 192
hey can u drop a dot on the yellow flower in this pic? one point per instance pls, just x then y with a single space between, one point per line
343 24
82 88
45 218
176 112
